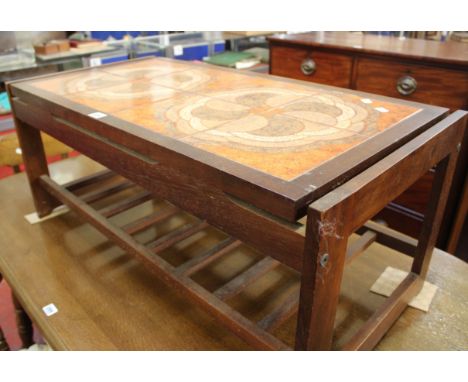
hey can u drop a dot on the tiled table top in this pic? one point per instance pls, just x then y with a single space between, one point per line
280 128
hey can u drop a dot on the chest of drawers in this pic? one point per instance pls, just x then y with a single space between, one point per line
430 72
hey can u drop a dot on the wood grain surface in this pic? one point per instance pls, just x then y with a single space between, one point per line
107 300
448 53
277 144
378 64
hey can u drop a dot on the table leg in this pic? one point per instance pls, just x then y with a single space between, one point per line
460 218
323 266
335 216
24 324
36 165
433 217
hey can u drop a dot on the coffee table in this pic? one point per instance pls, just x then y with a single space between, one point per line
288 168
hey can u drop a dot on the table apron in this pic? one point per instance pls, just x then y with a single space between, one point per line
257 229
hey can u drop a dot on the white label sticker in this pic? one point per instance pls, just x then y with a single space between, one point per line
95 61
381 109
49 310
366 100
97 115
178 50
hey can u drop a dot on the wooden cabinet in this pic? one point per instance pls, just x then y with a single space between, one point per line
414 82
308 65
423 71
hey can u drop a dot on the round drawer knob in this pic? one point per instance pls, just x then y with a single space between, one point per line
406 85
308 66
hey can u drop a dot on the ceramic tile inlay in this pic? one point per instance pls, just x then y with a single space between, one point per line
281 128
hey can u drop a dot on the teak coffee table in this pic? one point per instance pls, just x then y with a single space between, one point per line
288 168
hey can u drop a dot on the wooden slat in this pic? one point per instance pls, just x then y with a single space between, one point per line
283 311
147 221
89 179
360 245
240 282
195 264
226 315
123 205
104 192
378 324
175 236
392 239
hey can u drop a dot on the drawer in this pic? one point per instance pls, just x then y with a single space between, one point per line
431 85
310 65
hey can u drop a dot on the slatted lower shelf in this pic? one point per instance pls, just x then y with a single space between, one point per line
106 185
256 334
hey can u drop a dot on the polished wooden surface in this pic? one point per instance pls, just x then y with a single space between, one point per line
274 143
447 88
334 69
450 52
439 71
281 129
107 300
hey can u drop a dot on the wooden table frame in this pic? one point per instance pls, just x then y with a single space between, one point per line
319 256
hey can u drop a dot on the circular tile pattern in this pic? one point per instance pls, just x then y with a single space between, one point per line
273 119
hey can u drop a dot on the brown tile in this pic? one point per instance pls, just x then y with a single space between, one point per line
145 68
198 114
281 128
70 83
129 94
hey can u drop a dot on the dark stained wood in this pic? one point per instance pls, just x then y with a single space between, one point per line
334 217
405 165
89 180
149 220
460 218
401 218
198 262
33 154
177 235
415 202
94 196
186 190
433 216
391 238
131 310
124 205
244 328
378 63
282 312
448 88
240 282
331 69
23 323
339 196
447 53
260 189
384 317
322 271
158 323
360 245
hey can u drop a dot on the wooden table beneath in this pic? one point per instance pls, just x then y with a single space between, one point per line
107 300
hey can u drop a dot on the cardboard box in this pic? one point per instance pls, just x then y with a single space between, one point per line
46 48
63 45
